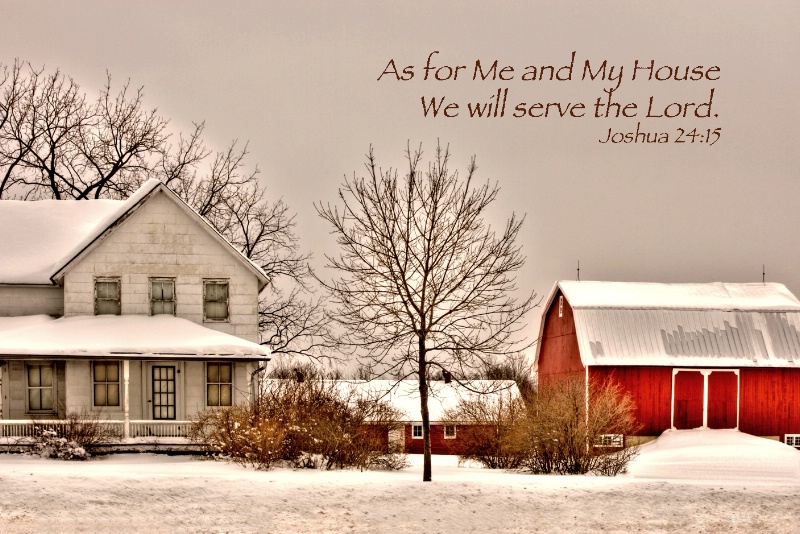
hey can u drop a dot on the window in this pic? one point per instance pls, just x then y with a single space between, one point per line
219 384
449 431
40 387
215 300
561 306
609 440
162 296
416 431
106 383
106 296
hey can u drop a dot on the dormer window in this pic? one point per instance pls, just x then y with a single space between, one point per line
107 296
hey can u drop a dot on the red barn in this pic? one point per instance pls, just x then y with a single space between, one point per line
690 355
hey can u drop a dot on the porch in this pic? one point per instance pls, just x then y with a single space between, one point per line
143 436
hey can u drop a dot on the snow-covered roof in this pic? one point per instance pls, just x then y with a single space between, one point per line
710 325
50 234
37 235
120 336
404 394
713 296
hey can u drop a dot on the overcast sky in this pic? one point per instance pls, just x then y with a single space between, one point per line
299 81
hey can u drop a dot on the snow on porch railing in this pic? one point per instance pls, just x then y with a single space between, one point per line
25 428
159 429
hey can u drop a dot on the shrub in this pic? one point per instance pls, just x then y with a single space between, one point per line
562 436
310 424
491 429
73 437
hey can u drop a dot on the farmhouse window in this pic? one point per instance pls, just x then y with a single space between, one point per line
219 384
106 296
416 431
215 300
162 296
106 383
449 431
41 380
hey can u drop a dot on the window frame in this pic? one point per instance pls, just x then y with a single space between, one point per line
174 300
213 282
414 433
455 431
106 382
219 384
609 441
108 279
53 387
792 440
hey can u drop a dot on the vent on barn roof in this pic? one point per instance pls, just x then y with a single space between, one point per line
793 440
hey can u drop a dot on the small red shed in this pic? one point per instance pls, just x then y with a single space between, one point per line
712 355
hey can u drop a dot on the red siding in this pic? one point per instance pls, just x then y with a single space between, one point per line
651 391
722 388
769 402
439 445
559 354
688 400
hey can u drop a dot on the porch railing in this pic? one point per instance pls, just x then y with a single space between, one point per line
25 428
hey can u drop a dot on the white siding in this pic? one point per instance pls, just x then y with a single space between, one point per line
161 240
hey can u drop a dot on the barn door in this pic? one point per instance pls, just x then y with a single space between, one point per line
723 389
688 405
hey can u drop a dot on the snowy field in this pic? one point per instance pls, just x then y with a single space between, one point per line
690 481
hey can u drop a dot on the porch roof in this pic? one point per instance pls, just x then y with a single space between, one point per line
130 337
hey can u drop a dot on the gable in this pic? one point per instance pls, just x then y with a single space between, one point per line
159 221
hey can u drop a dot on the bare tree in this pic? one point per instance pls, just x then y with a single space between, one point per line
423 282
55 142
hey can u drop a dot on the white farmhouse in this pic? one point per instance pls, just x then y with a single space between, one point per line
137 310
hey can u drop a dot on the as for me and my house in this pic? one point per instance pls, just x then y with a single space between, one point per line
604 106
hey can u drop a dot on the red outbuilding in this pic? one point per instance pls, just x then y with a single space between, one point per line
712 355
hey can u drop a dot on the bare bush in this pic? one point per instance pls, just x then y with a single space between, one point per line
566 439
73 437
312 423
491 429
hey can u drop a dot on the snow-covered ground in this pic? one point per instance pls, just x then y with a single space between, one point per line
689 481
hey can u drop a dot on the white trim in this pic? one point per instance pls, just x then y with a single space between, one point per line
126 378
455 431
421 431
792 440
705 373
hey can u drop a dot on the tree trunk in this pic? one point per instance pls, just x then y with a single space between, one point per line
426 424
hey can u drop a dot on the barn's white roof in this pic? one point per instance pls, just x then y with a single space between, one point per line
713 296
711 325
122 337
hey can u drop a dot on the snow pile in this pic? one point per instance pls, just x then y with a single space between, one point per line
714 455
179 495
